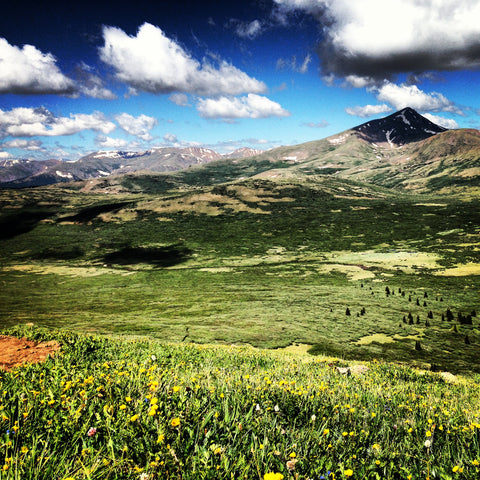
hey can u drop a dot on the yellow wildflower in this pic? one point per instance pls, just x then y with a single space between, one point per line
273 476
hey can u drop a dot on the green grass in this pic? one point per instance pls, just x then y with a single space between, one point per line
219 412
268 279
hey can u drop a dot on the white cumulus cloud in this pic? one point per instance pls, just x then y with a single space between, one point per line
30 145
443 122
30 122
180 99
138 126
152 62
378 38
170 138
401 96
368 110
110 143
250 106
27 70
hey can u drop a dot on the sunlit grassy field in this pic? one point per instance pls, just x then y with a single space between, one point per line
142 409
264 263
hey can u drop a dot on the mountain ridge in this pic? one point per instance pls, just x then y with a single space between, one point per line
31 173
404 151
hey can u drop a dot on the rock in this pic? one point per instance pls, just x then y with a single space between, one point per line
354 369
448 377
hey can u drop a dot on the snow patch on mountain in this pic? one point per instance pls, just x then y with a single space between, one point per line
64 175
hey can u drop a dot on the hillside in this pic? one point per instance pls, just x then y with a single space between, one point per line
260 262
404 152
143 409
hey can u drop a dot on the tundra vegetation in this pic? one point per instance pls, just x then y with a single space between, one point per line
166 300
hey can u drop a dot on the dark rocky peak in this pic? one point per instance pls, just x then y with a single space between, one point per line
400 128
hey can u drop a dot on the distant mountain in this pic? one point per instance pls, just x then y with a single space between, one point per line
29 173
244 152
403 151
11 170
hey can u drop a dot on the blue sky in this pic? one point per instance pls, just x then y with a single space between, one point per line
87 76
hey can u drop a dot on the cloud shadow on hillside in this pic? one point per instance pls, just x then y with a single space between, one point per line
89 213
157 256
16 224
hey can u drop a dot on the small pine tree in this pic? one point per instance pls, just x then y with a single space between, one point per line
387 291
425 295
467 340
418 302
347 312
430 314
418 346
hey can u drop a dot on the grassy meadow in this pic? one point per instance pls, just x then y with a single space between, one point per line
185 316
138 408
256 262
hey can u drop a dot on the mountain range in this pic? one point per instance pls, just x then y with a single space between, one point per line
31 173
404 151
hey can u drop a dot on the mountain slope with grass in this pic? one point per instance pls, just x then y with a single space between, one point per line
262 262
104 408
404 152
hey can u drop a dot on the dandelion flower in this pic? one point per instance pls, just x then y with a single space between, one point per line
273 476
175 422
348 472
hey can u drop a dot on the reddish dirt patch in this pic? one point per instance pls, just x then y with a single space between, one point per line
16 351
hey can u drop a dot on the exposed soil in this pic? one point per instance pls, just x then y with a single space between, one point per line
16 351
